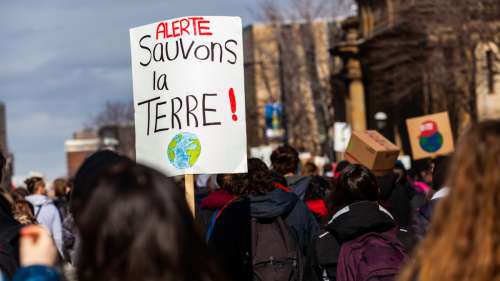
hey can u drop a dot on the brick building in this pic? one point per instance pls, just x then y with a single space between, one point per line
86 142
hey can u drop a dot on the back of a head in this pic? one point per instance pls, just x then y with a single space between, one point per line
463 241
137 226
259 178
232 183
341 165
310 169
285 160
33 183
87 176
318 188
60 186
355 184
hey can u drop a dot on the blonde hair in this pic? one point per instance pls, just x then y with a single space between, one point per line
463 242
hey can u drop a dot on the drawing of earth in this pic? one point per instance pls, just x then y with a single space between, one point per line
184 150
430 139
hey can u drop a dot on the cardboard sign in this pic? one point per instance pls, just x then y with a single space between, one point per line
430 135
189 95
372 150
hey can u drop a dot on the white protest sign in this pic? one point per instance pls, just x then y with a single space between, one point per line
189 95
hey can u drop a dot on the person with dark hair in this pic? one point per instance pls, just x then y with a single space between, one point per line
137 226
60 186
310 169
316 195
285 161
341 165
84 184
423 215
239 236
46 212
360 235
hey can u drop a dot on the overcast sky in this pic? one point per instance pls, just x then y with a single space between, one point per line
61 60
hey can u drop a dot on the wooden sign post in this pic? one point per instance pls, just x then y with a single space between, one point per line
189 186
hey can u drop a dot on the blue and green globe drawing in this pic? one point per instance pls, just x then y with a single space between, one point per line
184 150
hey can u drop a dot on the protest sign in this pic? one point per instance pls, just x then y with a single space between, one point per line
189 95
430 135
373 150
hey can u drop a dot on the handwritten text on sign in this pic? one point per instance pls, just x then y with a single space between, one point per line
189 95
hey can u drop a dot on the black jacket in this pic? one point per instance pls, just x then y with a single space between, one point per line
396 198
231 238
348 223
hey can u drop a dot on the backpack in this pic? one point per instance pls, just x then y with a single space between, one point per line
371 257
276 254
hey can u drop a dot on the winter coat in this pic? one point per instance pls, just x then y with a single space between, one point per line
422 217
298 185
347 224
209 205
47 214
231 238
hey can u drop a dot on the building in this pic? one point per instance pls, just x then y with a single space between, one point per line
288 85
82 145
5 149
86 142
411 58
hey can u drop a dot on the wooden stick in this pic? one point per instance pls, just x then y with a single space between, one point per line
189 186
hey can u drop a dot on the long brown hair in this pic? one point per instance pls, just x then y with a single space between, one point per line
463 242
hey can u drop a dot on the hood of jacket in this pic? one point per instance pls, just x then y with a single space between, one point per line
216 200
38 200
358 219
273 204
298 185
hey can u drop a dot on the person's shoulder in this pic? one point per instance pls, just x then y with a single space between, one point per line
235 210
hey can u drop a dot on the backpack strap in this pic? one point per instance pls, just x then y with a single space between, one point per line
211 225
215 216
254 232
285 233
38 211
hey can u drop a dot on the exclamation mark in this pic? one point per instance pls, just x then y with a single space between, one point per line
232 100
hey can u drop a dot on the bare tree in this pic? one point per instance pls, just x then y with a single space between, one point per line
114 113
430 52
302 74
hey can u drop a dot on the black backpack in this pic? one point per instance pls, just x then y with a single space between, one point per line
276 254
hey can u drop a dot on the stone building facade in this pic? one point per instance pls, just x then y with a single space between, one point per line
289 64
420 57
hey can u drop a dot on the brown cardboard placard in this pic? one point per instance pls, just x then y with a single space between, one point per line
430 135
372 150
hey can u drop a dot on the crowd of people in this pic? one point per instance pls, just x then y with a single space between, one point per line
119 220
